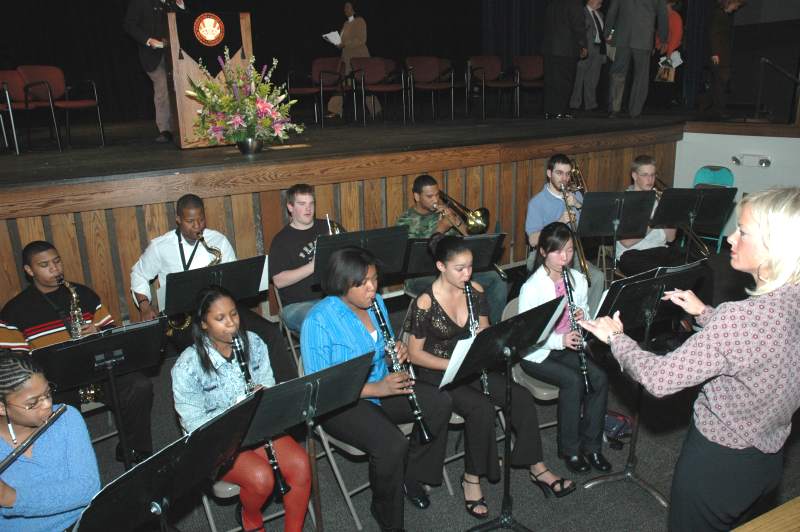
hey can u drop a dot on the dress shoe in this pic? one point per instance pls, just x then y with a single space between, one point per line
550 116
136 456
565 116
598 461
417 497
164 137
577 463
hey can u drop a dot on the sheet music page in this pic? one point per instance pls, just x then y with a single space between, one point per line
263 284
456 359
333 37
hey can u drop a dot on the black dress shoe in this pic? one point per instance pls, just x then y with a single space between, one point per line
598 461
417 497
164 137
577 463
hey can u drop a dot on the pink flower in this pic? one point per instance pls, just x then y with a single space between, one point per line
217 132
277 127
264 108
236 121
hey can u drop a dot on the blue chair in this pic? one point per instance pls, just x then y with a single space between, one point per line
715 176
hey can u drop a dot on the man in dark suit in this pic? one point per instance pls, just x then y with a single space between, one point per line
630 28
588 72
146 22
564 43
719 43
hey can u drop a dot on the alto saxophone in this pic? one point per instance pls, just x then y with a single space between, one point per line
281 486
216 258
73 322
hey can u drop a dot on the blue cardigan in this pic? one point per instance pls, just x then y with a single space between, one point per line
57 482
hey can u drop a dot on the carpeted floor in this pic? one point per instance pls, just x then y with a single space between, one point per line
619 506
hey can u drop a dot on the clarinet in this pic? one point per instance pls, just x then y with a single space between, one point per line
395 366
573 326
473 331
281 486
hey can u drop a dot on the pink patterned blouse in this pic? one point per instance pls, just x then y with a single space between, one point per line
748 356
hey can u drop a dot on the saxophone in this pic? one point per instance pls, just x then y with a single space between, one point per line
281 486
216 258
73 322
74 318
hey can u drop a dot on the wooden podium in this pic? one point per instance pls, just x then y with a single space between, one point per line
191 36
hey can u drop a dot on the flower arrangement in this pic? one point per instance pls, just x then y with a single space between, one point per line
245 104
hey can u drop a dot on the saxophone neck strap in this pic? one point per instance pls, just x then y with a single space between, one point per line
185 264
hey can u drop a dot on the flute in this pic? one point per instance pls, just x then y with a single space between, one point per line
16 453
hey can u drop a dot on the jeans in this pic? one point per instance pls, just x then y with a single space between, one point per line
294 314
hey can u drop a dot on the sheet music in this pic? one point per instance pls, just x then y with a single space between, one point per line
456 359
263 284
333 37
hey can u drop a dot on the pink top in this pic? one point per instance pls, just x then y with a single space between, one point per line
562 325
748 356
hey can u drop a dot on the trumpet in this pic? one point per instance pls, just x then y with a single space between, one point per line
477 221
281 486
395 366
583 368
576 184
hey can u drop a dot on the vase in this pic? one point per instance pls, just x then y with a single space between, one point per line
249 146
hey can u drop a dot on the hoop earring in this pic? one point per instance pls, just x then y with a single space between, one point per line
758 273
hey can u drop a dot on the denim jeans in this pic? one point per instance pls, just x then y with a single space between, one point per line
294 314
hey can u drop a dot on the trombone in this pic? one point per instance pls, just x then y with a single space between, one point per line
477 222
575 184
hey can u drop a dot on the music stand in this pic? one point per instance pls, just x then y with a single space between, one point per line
387 244
104 355
509 340
706 209
630 296
303 399
148 490
484 248
630 216
242 278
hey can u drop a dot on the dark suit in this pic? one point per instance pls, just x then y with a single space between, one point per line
719 44
565 35
633 23
588 71
147 19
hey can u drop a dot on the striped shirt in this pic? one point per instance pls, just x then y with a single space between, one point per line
32 320
747 358
332 334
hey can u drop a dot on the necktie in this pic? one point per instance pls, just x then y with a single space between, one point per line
599 27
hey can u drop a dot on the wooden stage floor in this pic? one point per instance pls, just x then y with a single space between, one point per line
131 152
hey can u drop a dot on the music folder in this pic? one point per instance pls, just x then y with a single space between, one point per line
703 210
485 249
242 278
388 244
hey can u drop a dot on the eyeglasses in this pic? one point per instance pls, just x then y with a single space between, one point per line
646 175
37 402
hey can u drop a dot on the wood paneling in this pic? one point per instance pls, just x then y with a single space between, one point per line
9 280
65 239
362 193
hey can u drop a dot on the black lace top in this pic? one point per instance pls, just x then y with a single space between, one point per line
441 333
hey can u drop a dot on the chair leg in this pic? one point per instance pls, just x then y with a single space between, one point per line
55 127
67 129
447 482
339 479
209 516
13 126
483 99
100 128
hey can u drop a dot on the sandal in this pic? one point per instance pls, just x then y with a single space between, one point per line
471 505
550 489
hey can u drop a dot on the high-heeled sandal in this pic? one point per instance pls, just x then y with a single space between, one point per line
550 489
471 505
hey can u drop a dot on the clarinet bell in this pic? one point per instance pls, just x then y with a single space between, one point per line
281 488
424 432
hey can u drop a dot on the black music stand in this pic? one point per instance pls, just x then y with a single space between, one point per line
303 399
509 340
104 355
242 278
147 491
638 299
387 244
693 209
630 215
485 249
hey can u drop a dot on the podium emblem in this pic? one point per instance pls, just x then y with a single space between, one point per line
209 29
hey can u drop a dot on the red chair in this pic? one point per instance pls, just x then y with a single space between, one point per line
530 69
377 75
432 74
47 84
487 71
325 77
14 101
